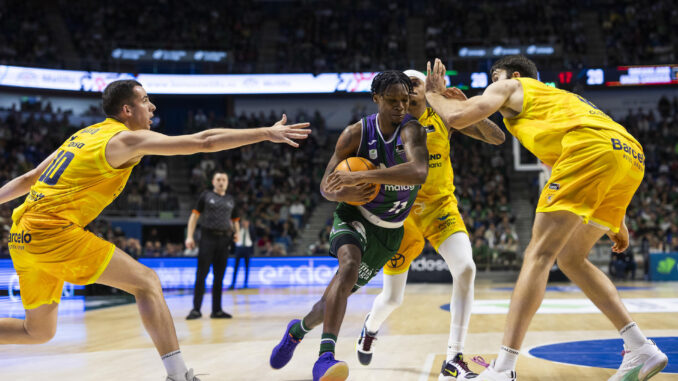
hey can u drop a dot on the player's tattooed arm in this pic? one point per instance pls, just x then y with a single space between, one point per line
21 185
412 172
347 146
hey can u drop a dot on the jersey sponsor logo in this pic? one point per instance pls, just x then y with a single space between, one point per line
398 188
397 260
90 131
617 145
554 186
76 145
35 196
22 237
443 218
366 272
432 157
447 222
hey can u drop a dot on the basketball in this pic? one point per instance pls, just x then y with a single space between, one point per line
355 164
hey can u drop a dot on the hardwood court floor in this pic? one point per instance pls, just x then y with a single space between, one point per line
110 343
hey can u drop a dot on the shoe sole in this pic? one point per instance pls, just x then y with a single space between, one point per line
337 372
653 365
363 358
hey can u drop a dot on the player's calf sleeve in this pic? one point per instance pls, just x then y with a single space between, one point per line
457 253
390 298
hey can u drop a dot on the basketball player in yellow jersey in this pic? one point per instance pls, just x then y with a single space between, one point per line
597 167
71 187
435 217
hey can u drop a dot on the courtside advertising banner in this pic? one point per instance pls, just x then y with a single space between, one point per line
77 80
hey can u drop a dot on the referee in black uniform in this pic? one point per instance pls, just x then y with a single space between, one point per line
215 210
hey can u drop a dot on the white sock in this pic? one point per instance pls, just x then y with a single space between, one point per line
174 364
455 347
632 336
457 253
506 360
390 298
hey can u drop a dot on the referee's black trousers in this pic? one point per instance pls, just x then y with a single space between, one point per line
214 250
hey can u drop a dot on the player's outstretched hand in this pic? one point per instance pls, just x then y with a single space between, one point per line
339 179
282 133
360 193
435 77
454 93
621 239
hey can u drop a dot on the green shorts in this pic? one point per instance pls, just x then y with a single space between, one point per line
377 244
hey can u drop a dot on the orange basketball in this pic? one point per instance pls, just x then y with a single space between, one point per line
354 164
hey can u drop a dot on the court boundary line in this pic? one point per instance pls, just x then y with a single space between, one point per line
428 365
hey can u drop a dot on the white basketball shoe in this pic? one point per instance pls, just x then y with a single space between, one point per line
489 374
188 377
640 364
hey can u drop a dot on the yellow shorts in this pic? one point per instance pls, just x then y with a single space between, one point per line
595 177
47 251
434 221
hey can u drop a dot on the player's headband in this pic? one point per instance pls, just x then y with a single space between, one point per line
416 74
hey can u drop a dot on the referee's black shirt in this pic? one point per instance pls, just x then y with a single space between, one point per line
215 211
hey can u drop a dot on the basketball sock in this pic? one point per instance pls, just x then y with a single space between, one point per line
453 348
457 253
174 364
632 336
389 299
327 343
299 330
506 360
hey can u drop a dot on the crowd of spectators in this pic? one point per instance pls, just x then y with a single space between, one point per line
640 31
274 185
482 190
452 25
346 35
98 28
24 39
652 217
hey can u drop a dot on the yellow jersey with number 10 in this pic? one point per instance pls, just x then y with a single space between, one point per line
440 181
549 113
79 183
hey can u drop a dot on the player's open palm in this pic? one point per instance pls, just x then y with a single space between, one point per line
283 133
435 77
